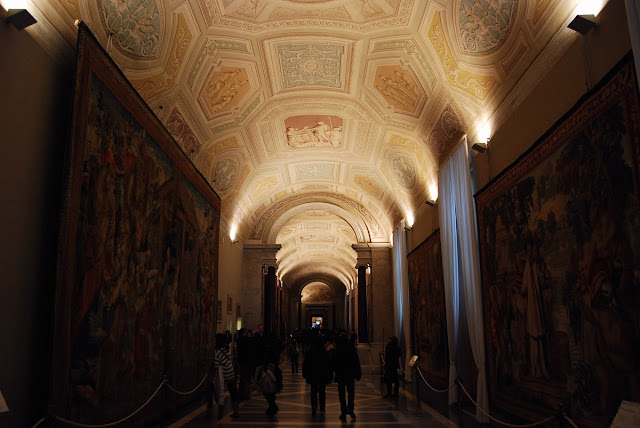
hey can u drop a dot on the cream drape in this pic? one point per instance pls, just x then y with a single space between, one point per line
449 243
401 293
461 266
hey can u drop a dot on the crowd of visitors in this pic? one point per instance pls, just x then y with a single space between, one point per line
328 356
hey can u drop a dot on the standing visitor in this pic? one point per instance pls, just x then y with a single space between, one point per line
392 355
222 359
347 371
317 370
246 358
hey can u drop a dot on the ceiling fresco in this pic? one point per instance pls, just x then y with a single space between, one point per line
321 123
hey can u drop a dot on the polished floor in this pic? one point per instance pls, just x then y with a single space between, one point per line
371 409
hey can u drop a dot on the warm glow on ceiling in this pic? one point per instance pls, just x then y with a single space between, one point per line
590 7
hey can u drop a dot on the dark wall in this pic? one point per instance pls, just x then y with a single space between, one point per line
35 106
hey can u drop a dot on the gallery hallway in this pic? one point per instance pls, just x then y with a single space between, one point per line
295 409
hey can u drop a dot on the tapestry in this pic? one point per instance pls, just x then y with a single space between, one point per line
137 282
559 235
428 313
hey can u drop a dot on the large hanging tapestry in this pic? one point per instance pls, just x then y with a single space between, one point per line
137 283
560 250
428 316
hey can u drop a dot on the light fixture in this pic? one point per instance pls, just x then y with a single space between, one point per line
583 23
409 221
430 202
20 18
368 269
480 147
484 136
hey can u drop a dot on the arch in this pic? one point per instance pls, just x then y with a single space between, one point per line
368 230
358 226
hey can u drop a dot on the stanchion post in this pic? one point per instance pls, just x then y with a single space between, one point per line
417 384
560 414
459 395
163 401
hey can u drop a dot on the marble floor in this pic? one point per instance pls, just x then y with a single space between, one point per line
371 409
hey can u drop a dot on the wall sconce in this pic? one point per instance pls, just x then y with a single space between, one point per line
20 18
583 23
430 203
484 136
480 147
368 269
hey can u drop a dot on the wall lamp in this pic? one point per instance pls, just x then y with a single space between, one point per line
481 147
583 23
20 18
430 202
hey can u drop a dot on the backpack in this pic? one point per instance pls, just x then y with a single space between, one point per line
266 380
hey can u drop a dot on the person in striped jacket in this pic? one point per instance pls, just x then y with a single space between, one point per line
222 359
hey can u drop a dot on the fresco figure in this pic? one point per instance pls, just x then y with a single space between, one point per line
533 280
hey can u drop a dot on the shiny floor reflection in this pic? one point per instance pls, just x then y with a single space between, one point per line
371 409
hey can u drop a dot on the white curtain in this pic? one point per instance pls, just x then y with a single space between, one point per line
460 244
470 268
449 243
401 293
633 19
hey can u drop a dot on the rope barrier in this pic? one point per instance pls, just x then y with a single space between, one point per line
110 424
432 388
573 424
189 392
544 421
39 422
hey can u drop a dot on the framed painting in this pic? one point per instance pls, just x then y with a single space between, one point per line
428 316
137 266
559 235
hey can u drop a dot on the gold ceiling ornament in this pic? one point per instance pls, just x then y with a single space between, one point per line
472 83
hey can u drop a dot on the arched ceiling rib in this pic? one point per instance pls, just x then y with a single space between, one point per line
348 104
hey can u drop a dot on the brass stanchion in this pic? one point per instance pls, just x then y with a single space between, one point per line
417 384
459 394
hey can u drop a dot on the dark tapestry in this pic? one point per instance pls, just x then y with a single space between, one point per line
560 255
138 258
428 313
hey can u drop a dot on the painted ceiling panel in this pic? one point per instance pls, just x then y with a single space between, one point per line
348 104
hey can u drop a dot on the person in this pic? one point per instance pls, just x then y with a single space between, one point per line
317 370
292 348
347 371
246 357
222 359
268 375
392 355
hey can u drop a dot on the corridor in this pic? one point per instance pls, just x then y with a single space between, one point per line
295 409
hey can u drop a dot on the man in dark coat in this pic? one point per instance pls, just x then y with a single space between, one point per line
317 370
247 361
347 371
392 355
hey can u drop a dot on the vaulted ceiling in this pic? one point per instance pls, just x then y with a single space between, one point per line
321 123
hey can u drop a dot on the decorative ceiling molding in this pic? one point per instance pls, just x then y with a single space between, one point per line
483 26
149 87
470 82
215 17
